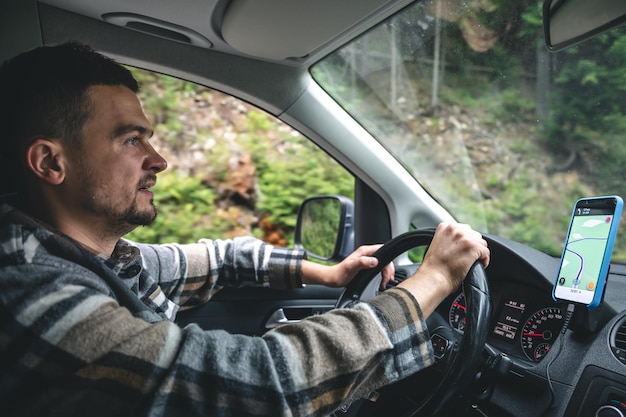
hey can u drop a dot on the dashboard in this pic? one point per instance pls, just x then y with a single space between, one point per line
576 374
525 321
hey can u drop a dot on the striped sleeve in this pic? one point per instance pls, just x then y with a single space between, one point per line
190 274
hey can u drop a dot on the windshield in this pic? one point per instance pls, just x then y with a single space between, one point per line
502 133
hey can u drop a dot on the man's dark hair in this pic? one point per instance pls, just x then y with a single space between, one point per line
43 92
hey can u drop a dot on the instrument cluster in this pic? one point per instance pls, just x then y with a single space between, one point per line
525 321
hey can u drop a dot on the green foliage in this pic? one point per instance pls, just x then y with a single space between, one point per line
289 168
532 17
514 106
600 76
518 215
185 208
302 171
593 128
161 99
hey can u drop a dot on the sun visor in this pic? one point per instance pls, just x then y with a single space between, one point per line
261 28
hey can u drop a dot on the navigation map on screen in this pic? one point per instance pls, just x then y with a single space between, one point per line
584 254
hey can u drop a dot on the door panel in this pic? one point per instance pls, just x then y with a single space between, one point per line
248 310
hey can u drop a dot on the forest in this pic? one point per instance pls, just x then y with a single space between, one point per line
231 182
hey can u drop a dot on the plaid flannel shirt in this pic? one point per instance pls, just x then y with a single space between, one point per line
82 334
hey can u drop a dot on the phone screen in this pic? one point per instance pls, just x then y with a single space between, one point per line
587 251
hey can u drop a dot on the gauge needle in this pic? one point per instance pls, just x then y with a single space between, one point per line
462 307
533 334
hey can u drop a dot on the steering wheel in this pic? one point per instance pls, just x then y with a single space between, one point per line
459 361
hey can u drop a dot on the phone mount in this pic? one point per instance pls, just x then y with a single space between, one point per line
585 321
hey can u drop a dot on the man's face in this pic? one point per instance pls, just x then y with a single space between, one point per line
113 169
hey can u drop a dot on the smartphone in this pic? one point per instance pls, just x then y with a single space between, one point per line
586 257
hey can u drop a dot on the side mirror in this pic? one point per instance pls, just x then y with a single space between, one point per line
325 227
568 22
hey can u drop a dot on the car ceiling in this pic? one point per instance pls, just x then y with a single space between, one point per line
241 47
290 31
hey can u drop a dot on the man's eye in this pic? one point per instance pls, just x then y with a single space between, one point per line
133 140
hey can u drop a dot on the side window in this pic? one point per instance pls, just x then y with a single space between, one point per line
232 169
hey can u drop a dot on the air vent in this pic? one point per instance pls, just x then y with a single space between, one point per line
398 277
618 340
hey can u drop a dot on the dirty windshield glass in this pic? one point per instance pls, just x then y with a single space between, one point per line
504 134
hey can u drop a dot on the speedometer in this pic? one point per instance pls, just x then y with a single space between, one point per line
457 317
540 331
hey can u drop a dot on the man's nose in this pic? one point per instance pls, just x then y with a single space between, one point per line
155 162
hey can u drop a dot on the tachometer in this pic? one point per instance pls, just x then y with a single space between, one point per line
540 331
457 317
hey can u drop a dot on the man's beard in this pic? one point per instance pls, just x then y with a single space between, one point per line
129 220
135 217
120 221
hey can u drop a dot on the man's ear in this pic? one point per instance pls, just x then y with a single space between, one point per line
44 158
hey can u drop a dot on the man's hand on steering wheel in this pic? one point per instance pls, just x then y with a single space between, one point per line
341 274
452 252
